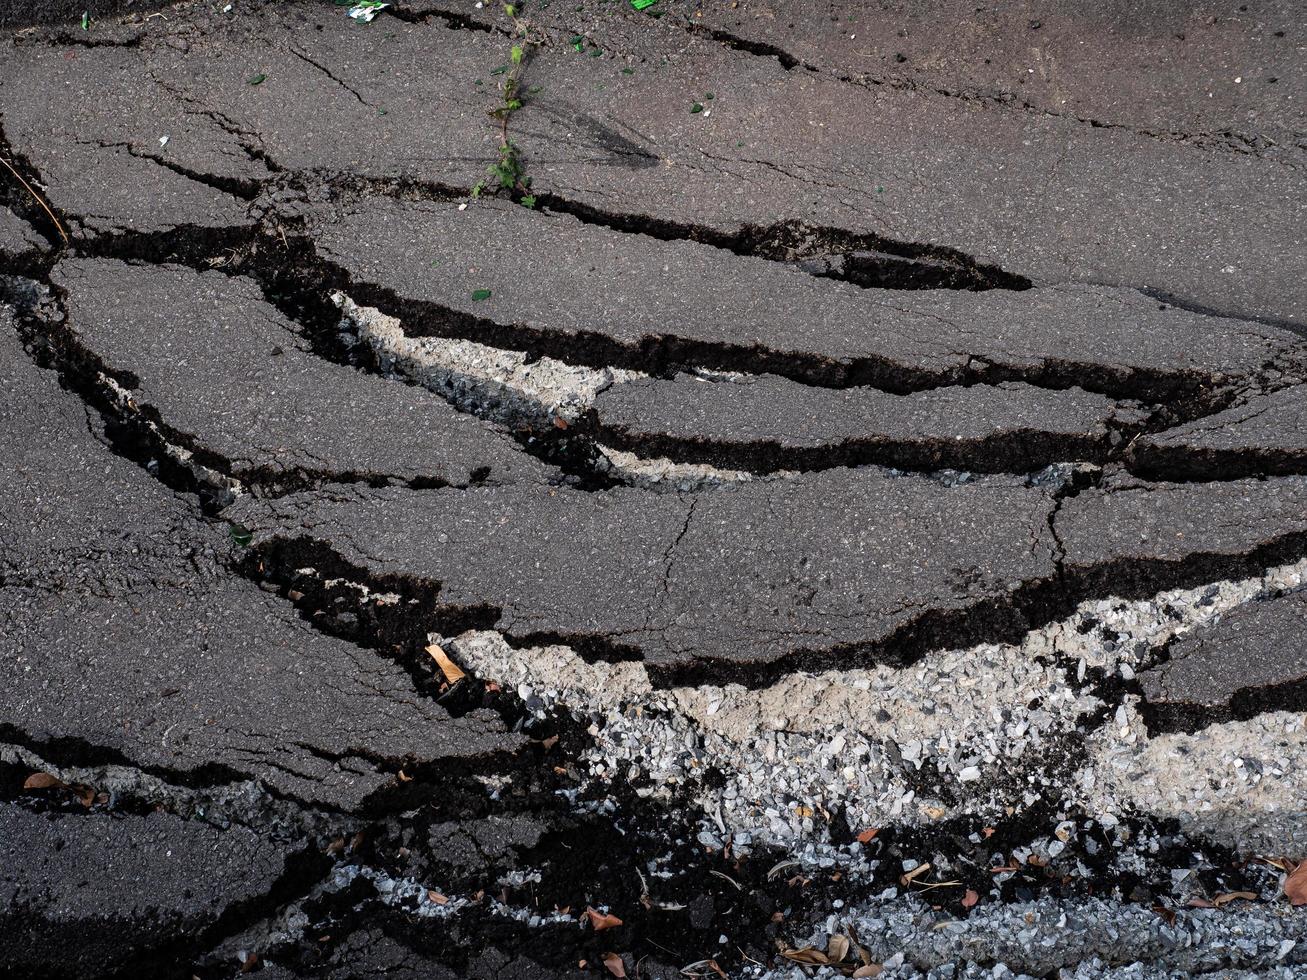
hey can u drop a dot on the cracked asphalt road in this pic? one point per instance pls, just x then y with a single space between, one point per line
851 520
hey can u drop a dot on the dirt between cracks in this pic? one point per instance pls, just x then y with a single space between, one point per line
850 521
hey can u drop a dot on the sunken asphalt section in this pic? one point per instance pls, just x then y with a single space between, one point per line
848 519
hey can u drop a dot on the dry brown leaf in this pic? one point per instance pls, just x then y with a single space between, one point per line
868 834
837 949
452 671
1295 886
970 898
601 920
615 965
870 970
438 898
1229 897
808 954
43 780
915 873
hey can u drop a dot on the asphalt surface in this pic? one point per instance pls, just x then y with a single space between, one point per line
93 893
232 381
767 423
833 499
124 632
1251 659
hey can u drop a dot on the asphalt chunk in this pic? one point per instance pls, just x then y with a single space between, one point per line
125 638
1132 538
597 296
1252 660
19 242
1267 434
93 894
763 573
766 423
230 380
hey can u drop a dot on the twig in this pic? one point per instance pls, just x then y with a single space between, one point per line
37 198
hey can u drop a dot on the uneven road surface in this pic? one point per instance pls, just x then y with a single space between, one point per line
768 489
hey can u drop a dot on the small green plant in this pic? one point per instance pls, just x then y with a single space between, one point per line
507 175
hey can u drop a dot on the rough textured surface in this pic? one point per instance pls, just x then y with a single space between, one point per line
1265 434
662 684
755 574
122 631
1127 533
1041 196
603 297
229 379
1251 661
94 894
769 423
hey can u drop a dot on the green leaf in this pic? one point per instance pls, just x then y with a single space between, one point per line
86 20
642 4
479 294
528 200
240 535
535 89
696 108
480 186
628 71
500 70
258 79
510 10
516 54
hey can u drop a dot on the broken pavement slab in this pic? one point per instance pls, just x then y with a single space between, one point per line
593 295
1129 537
757 577
1253 660
1046 198
230 381
127 638
94 894
1263 435
766 423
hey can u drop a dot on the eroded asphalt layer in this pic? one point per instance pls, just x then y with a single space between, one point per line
849 518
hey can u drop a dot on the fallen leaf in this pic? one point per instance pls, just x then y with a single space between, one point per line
916 872
438 898
453 673
837 949
249 963
615 965
43 780
1229 897
1295 886
868 834
1165 913
808 954
870 970
560 422
600 920
987 831
970 899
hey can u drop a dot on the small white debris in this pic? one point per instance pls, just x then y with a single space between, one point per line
366 11
163 140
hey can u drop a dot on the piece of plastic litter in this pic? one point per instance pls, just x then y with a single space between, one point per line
366 10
